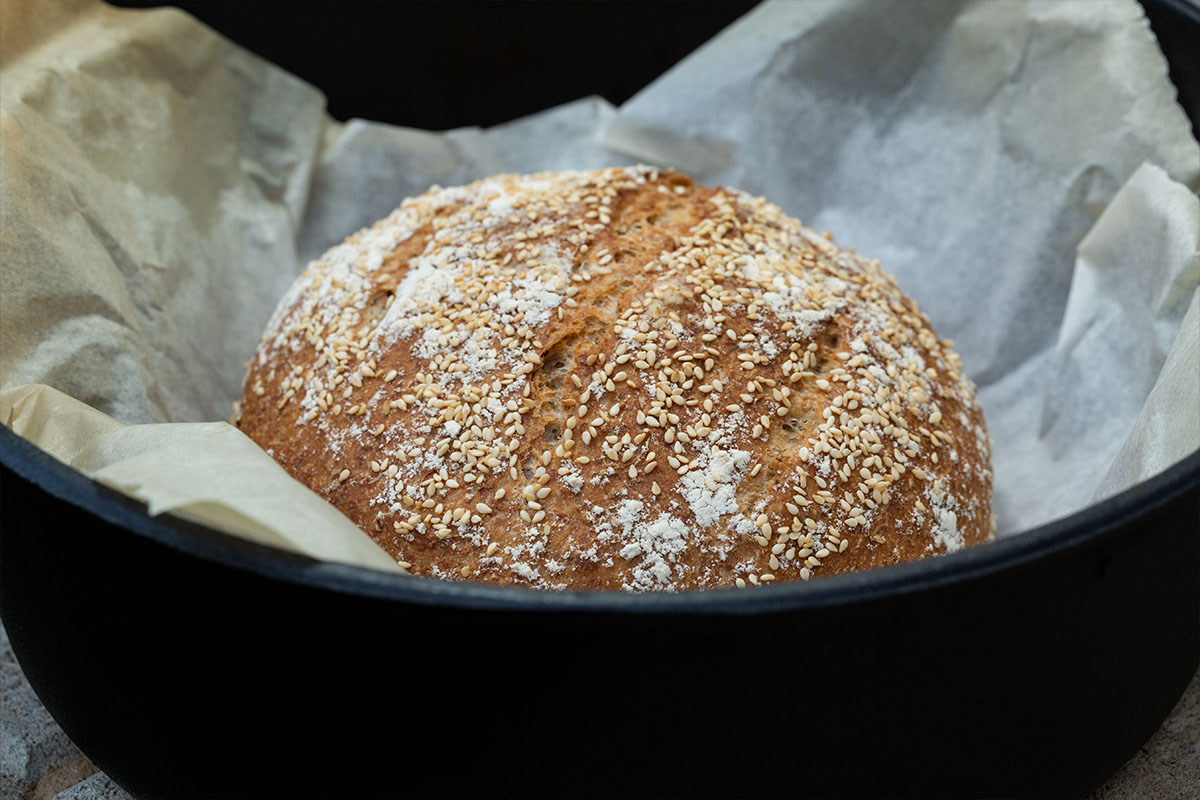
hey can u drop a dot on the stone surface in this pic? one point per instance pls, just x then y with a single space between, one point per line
97 787
1167 766
32 746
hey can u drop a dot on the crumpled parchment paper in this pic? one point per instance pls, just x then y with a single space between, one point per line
1022 168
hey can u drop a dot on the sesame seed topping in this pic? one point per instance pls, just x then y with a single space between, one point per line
525 337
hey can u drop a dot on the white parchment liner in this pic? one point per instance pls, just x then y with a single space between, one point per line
1022 168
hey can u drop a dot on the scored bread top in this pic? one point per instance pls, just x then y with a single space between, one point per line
616 379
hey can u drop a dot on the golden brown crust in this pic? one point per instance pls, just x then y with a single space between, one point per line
760 404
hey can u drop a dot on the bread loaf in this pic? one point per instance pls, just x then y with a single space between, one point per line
619 380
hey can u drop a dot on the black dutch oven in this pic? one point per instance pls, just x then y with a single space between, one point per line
187 662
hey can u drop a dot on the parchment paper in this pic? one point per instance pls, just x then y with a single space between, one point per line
1022 168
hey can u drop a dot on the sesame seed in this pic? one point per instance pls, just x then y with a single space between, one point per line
856 446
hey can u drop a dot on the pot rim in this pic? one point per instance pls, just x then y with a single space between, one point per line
1093 523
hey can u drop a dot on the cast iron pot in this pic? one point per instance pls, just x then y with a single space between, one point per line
186 662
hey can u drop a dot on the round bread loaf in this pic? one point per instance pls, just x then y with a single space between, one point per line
619 380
